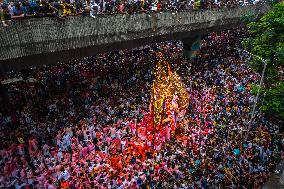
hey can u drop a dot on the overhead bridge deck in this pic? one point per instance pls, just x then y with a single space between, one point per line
36 41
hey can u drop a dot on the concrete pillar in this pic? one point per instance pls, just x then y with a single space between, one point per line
188 44
2 70
4 98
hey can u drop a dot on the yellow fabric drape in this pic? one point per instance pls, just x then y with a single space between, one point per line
166 84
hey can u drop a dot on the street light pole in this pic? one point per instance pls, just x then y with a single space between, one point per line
256 98
264 61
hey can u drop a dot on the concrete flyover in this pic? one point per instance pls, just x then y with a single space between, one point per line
49 40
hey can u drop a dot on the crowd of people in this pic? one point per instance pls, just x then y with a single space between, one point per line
74 125
39 8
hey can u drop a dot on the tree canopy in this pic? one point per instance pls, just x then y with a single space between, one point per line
267 41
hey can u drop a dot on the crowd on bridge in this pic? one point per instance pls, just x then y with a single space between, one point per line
72 125
35 8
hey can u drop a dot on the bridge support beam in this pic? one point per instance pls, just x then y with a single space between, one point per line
191 43
52 41
4 98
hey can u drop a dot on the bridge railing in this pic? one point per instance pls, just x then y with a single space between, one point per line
49 40
14 10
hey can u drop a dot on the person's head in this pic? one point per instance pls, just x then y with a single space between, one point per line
18 5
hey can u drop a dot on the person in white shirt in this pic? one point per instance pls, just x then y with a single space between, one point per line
95 8
64 175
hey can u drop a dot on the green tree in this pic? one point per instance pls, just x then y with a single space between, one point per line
267 41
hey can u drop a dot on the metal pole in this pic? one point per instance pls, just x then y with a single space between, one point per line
258 91
256 98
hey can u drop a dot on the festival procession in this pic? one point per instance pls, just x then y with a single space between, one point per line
168 122
151 117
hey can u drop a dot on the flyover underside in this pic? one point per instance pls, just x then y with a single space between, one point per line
37 41
17 64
